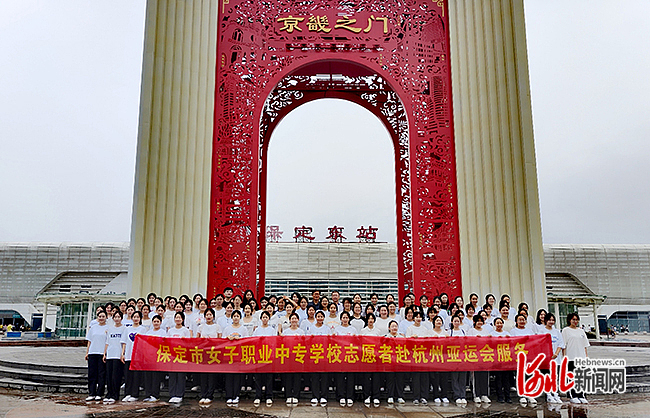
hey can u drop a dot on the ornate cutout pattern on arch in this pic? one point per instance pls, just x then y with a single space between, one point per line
388 56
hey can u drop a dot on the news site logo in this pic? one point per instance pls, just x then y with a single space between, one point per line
590 376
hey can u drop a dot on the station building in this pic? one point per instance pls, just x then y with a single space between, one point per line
66 281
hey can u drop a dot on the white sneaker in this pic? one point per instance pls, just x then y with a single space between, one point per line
288 401
416 402
126 398
150 399
464 401
584 400
485 399
323 402
367 401
294 401
196 388
436 401
401 401
532 401
269 402
350 402
342 402
390 401
550 398
314 401
477 400
459 401
557 398
229 402
109 401
98 398
376 402
207 401
523 400
575 400
445 400
235 401
256 402
90 398
423 401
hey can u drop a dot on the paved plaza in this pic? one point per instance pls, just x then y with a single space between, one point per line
26 404
15 404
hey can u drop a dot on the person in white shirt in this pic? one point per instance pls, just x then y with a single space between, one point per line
96 337
248 321
439 380
407 321
576 343
539 324
332 320
558 348
264 381
383 320
112 358
345 380
310 320
226 319
394 380
508 323
420 379
285 320
392 314
302 310
207 329
152 379
481 378
132 378
319 381
357 320
458 379
177 379
292 380
234 331
522 329
502 378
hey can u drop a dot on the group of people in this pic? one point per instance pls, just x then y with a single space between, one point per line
111 336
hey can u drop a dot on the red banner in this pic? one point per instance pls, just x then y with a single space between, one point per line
297 354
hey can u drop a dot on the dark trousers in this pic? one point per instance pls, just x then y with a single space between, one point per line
264 386
502 385
208 383
133 380
440 383
96 375
458 380
345 385
114 374
291 382
481 382
420 385
395 384
320 385
371 385
233 385
176 384
573 393
152 383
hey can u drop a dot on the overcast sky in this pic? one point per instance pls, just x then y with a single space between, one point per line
69 94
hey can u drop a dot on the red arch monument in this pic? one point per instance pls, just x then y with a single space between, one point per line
392 57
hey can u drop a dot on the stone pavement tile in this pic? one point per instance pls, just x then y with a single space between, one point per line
309 411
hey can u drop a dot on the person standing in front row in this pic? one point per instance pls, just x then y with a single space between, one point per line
576 343
96 337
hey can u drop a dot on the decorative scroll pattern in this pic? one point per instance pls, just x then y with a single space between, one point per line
263 70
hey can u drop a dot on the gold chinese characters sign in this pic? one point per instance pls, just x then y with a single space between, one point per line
296 354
